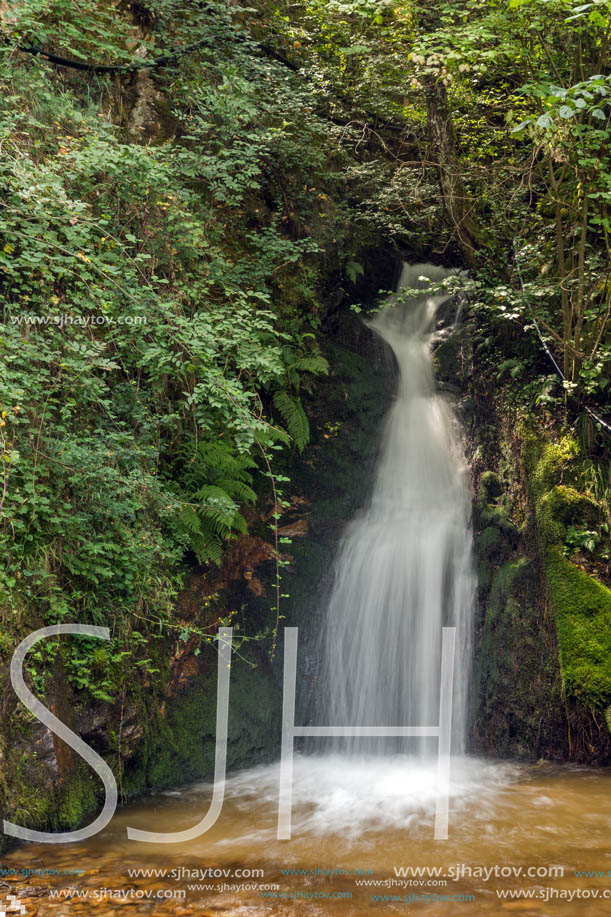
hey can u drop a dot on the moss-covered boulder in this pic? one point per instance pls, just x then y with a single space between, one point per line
581 605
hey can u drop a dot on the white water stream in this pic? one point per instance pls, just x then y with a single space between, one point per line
404 569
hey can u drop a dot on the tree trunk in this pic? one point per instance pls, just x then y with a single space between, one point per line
443 142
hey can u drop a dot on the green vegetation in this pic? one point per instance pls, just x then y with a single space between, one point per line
581 604
152 361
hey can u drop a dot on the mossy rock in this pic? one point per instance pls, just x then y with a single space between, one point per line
581 604
181 746
446 358
489 543
517 686
42 807
490 488
76 799
506 583
497 517
582 608
560 507
491 548
490 507
546 462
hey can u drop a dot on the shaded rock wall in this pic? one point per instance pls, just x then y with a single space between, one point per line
541 683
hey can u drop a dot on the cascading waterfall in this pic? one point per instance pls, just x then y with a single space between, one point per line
404 568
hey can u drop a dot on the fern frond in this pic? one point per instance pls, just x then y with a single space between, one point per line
208 547
312 364
239 489
217 519
216 481
239 524
188 520
217 454
244 461
292 412
215 495
272 435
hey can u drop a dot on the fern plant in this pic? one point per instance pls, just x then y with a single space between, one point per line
216 482
292 413
289 405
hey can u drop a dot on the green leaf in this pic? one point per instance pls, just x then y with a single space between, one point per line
544 121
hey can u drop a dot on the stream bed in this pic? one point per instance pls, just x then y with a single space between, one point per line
366 818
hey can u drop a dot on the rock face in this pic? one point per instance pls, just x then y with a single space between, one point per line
149 117
542 675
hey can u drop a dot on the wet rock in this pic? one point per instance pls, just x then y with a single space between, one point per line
38 891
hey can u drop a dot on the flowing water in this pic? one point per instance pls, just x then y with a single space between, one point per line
404 569
364 816
365 808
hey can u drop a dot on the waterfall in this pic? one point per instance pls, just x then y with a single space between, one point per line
404 568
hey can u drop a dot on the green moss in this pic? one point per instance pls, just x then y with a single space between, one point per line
581 604
559 507
32 809
489 542
582 608
7 643
181 745
496 535
32 803
497 517
491 508
546 462
490 487
506 581
76 800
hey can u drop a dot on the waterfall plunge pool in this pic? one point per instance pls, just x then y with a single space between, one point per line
358 813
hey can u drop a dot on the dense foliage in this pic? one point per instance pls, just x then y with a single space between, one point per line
159 317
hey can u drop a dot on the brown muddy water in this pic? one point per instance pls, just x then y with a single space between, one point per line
365 819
